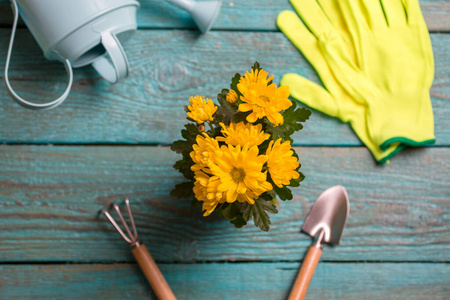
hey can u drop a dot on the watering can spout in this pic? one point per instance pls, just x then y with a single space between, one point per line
204 13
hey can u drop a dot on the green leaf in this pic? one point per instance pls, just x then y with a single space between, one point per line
222 97
247 212
294 117
234 83
259 213
219 209
284 193
296 156
292 122
232 210
180 146
226 110
268 195
189 134
263 146
256 66
296 182
240 117
185 147
277 133
183 190
196 203
238 222
184 166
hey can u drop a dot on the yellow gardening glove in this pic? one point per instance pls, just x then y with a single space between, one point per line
380 53
334 100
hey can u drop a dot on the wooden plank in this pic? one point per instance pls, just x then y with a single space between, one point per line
51 195
226 281
168 67
241 15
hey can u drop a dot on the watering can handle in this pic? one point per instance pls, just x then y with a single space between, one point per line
12 93
119 69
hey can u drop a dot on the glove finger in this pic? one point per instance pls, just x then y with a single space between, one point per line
344 21
394 12
415 17
413 12
349 76
362 13
331 9
290 24
373 13
313 16
311 94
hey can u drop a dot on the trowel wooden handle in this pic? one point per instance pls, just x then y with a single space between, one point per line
152 273
306 273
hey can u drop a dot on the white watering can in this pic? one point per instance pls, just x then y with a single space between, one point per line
83 32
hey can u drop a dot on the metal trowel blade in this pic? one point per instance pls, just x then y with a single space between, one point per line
329 214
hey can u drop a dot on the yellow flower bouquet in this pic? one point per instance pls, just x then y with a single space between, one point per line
237 157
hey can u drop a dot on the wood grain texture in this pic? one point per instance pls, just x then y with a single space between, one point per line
51 195
397 241
227 281
242 15
168 67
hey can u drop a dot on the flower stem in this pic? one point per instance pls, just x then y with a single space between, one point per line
210 126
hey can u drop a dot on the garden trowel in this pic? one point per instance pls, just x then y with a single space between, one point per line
325 224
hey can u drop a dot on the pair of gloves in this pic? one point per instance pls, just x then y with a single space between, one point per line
376 63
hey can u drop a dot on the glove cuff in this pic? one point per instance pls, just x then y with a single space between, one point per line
402 117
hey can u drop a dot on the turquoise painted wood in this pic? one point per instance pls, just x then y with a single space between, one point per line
227 281
167 68
54 245
234 15
399 212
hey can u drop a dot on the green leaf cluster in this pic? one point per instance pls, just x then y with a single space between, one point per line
293 119
239 214
184 147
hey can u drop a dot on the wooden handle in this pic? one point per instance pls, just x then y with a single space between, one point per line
306 273
152 273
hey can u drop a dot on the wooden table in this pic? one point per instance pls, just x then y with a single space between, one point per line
58 168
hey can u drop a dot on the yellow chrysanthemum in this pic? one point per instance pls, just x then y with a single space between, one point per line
241 133
232 97
208 196
281 164
201 109
261 99
203 151
237 173
255 77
